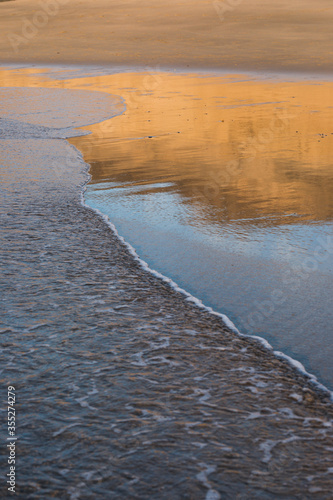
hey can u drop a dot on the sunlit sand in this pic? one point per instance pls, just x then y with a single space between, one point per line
248 34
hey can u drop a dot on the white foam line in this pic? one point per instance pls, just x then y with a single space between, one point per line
197 302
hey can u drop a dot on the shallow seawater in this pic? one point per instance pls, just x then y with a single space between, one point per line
110 363
225 185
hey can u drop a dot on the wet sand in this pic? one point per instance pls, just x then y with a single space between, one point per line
229 177
247 163
125 388
248 34
110 363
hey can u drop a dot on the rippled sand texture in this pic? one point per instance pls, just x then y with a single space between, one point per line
125 389
247 34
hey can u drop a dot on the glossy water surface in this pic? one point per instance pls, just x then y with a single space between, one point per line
225 184
124 388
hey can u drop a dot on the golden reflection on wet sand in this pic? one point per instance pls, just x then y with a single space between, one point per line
237 146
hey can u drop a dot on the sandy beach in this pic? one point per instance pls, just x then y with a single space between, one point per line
250 34
112 364
126 386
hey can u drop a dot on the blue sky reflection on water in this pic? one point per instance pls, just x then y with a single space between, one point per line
276 282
